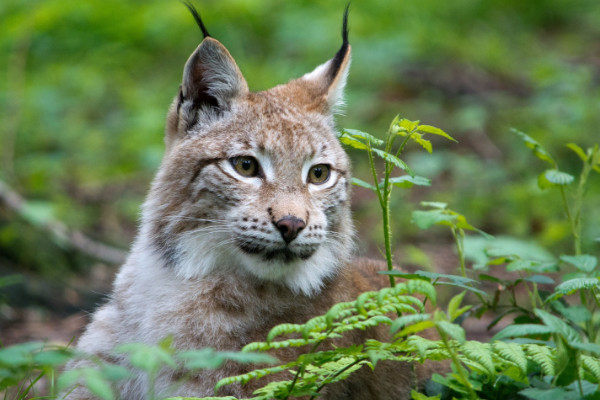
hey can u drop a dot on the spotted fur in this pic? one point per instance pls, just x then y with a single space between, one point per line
210 265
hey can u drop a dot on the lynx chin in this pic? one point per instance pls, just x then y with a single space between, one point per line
247 225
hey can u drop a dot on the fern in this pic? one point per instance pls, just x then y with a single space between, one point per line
544 356
511 353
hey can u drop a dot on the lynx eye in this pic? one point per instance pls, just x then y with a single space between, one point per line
246 166
318 174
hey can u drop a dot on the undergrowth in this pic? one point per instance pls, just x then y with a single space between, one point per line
551 350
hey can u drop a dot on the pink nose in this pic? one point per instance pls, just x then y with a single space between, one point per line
290 227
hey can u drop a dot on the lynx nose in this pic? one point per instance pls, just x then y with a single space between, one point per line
290 227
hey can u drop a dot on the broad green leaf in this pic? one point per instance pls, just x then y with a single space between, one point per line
554 393
579 151
363 135
145 357
426 144
558 178
520 330
350 141
454 305
455 331
589 347
99 386
393 159
557 325
201 359
414 395
540 279
53 357
576 313
583 262
434 204
19 354
361 183
536 148
572 285
435 131
408 320
426 219
531 266
38 213
429 276
407 125
407 181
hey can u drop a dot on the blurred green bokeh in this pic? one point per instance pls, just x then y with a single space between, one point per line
86 85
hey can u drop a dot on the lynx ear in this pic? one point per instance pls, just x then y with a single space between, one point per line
211 79
329 79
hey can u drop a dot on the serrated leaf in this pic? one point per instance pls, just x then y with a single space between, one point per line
520 330
435 131
540 279
350 141
426 144
393 159
408 125
408 320
583 262
454 304
513 353
407 181
558 178
557 325
535 147
579 151
363 135
426 219
545 394
434 204
361 183
531 266
572 285
452 330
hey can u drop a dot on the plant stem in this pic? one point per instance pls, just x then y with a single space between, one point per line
461 372
459 236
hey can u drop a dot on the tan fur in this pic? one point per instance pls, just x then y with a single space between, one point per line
209 266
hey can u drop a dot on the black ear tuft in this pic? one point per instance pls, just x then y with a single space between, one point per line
341 54
196 16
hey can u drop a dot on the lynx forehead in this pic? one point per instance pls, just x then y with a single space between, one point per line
252 183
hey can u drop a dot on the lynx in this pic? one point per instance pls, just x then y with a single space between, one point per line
247 225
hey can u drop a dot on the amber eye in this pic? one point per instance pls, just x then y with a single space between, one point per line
318 174
246 166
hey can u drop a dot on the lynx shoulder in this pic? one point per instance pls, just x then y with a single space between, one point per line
247 225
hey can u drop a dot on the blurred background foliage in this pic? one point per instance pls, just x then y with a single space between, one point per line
86 85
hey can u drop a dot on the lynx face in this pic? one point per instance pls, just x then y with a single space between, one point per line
252 184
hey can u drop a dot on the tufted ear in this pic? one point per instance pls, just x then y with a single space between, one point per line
211 79
329 79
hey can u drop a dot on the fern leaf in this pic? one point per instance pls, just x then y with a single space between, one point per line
256 374
591 365
543 356
512 353
408 320
481 353
283 329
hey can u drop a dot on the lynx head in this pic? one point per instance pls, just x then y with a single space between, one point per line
253 183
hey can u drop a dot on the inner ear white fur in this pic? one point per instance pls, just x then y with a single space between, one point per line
331 82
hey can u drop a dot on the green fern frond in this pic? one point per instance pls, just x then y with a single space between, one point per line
481 353
284 329
256 374
511 353
591 365
543 356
